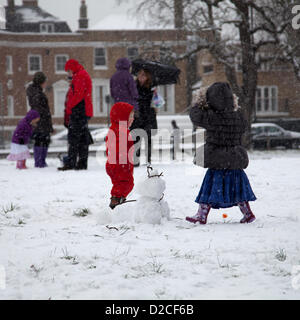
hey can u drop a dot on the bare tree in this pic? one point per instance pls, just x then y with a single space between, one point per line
231 29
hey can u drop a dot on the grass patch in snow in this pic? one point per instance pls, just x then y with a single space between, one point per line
152 268
20 222
280 255
66 256
10 208
35 270
83 212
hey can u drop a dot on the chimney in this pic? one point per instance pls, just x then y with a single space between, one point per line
83 18
30 3
178 14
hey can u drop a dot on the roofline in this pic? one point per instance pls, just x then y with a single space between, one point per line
40 34
126 30
74 44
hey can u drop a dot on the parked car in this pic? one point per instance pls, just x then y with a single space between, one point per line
60 139
270 135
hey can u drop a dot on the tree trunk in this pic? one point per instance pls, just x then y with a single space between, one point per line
178 14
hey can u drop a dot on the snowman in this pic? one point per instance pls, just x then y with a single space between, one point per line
151 207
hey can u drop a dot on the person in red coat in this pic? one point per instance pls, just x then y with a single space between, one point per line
79 109
119 151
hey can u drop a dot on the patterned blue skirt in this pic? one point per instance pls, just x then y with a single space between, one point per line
225 188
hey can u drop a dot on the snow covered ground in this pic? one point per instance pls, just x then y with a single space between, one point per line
47 252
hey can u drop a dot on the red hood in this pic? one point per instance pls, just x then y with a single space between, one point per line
73 65
120 112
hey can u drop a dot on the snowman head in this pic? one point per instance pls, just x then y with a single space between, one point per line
153 186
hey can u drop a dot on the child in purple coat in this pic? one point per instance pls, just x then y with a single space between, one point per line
19 151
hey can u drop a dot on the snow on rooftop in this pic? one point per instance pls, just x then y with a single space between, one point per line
121 21
32 16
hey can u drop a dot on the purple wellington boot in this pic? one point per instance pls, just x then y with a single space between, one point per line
39 157
201 215
247 212
19 164
45 153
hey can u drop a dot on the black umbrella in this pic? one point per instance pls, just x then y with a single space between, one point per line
161 73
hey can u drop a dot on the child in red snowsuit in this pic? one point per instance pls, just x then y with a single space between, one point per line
119 151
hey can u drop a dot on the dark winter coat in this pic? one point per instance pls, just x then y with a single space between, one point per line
81 93
224 130
24 129
147 116
38 101
122 85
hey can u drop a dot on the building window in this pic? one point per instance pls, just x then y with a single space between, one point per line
168 93
10 106
47 28
34 63
267 99
208 68
100 58
9 65
263 65
132 53
59 105
60 88
60 62
100 92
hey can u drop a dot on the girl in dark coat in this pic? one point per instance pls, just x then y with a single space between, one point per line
225 184
122 85
38 101
19 151
145 119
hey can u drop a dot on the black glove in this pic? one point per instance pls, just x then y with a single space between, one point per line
21 141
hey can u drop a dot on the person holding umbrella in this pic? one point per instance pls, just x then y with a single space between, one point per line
145 119
149 75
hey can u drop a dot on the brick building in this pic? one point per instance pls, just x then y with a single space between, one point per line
24 53
278 91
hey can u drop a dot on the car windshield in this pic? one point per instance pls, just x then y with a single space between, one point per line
256 130
272 129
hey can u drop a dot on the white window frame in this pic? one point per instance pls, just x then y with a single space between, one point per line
48 27
131 57
264 66
41 63
98 83
170 99
206 64
10 106
9 64
103 67
55 63
270 111
59 87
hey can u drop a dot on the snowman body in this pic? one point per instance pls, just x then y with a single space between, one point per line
150 206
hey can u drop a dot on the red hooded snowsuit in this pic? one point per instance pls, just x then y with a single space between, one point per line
119 151
82 88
